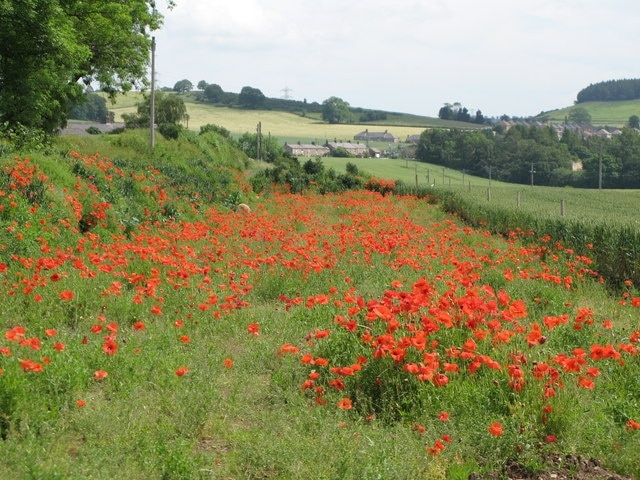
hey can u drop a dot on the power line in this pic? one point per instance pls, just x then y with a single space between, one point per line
286 91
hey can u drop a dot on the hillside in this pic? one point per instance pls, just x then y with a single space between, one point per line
613 114
287 126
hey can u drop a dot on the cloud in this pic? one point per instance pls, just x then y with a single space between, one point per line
410 55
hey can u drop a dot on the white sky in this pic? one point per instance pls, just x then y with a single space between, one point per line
499 56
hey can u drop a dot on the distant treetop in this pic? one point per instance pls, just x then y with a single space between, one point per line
610 90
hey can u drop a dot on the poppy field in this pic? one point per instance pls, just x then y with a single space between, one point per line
340 336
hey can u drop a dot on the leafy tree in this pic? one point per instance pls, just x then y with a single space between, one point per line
271 148
93 108
213 93
251 98
580 115
634 121
335 110
202 84
183 86
445 113
48 46
170 109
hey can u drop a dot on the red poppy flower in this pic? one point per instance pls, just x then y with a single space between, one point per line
66 295
345 404
110 347
253 329
100 374
495 429
181 371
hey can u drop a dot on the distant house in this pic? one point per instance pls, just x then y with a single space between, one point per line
306 150
376 137
355 149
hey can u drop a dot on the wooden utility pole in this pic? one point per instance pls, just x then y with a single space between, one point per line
152 113
259 140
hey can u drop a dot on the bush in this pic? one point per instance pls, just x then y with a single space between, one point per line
170 131
93 130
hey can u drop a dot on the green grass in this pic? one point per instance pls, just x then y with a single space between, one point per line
189 276
613 114
607 206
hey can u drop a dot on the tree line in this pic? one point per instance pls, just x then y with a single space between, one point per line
537 155
610 90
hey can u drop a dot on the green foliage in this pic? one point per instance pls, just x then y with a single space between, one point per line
213 93
93 130
46 47
216 129
93 107
170 131
270 148
251 98
580 116
183 86
169 109
336 110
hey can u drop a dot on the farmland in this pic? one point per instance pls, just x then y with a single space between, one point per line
287 127
151 332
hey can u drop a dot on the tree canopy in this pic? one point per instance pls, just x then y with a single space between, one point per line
251 98
49 48
336 110
183 86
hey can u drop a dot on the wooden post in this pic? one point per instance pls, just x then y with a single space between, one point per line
488 194
518 199
152 100
562 208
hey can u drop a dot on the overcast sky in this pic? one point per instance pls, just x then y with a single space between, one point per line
499 56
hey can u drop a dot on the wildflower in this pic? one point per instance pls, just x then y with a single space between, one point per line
80 403
345 404
181 371
66 295
228 363
110 347
253 329
437 447
30 366
495 429
184 339
443 417
100 374
139 326
633 425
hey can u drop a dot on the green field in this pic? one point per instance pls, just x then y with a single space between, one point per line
287 127
613 114
618 207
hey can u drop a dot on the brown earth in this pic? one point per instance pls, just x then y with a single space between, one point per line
567 467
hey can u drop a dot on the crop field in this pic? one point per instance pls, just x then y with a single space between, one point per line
287 127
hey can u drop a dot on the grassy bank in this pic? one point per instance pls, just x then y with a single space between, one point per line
338 336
